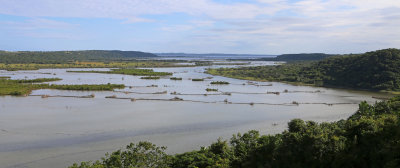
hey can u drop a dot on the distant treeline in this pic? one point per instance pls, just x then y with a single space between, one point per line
57 57
291 57
378 70
369 138
298 57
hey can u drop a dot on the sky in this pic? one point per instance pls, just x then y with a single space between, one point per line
201 26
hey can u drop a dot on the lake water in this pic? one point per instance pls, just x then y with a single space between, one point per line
58 131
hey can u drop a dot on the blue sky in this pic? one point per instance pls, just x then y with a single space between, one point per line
201 26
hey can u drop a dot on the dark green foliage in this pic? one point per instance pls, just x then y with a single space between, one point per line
197 79
219 83
285 72
24 87
175 78
211 90
105 87
140 155
38 80
369 138
203 63
136 72
150 77
379 70
215 156
69 56
299 57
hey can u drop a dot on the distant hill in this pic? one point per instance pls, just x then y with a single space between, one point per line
70 56
377 70
299 57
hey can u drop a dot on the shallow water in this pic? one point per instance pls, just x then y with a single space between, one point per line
58 131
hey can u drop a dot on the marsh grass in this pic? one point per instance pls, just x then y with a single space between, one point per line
25 87
132 64
211 90
150 77
135 72
38 80
219 83
175 78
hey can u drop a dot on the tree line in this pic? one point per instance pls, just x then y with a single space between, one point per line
58 57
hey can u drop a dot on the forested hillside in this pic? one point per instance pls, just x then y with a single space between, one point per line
298 57
49 57
378 70
369 138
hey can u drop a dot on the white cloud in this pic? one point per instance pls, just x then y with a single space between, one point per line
266 24
202 23
177 28
126 9
40 28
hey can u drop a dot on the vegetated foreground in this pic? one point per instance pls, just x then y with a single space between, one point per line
378 70
369 138
25 87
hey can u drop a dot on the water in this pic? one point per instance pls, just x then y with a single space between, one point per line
58 131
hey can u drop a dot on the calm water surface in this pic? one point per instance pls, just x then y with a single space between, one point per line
58 131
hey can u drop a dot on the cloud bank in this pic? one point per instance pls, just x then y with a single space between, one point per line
258 26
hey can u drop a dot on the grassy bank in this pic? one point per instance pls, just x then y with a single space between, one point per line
131 64
25 87
135 72
264 74
219 83
151 77
175 78
38 80
211 90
